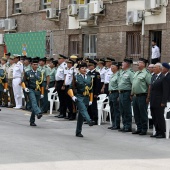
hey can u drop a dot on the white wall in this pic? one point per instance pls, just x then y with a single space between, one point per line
149 19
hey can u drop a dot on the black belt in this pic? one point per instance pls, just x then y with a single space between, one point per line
141 94
114 91
60 80
123 91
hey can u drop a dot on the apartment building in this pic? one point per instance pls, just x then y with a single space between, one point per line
88 28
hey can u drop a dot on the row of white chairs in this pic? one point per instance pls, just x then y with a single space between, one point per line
104 110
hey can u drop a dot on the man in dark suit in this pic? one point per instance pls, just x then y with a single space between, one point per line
165 71
158 100
95 75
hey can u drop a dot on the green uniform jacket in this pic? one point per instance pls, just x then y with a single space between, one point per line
141 82
113 84
31 77
3 79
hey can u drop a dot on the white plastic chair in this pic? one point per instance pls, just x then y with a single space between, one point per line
167 121
100 105
106 111
50 93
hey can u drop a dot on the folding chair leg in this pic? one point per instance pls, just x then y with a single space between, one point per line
167 121
51 107
110 118
154 131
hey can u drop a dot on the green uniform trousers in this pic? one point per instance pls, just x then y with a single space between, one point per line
114 108
140 112
125 109
82 104
34 97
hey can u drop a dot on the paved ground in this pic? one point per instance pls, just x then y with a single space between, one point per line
52 145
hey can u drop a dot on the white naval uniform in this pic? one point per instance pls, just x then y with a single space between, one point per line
69 76
102 73
61 71
107 76
17 78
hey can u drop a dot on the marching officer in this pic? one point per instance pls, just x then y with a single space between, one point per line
5 67
46 81
60 86
3 84
16 82
32 84
68 81
27 67
124 87
107 75
95 75
141 93
83 84
113 96
10 78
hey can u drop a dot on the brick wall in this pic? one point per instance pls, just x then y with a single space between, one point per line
111 30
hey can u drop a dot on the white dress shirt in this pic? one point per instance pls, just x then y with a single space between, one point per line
61 72
155 52
107 76
102 73
69 76
18 70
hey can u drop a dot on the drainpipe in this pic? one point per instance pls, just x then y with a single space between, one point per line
143 30
7 4
59 7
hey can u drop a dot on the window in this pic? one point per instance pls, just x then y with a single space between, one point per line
90 42
133 44
45 4
74 45
17 6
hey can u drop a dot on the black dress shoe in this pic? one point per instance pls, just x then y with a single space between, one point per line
154 136
143 133
115 128
136 132
79 135
10 106
72 118
66 117
39 116
121 130
61 116
4 105
33 124
160 136
110 127
127 130
91 123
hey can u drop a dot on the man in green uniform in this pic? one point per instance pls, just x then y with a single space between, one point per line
46 75
32 84
10 78
5 67
124 87
3 84
140 92
113 97
52 68
27 67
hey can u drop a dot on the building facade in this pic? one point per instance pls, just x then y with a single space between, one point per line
110 33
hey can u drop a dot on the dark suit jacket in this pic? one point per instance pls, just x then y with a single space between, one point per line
167 77
96 81
159 91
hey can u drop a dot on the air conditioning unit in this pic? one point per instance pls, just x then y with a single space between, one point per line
95 7
134 17
2 23
52 14
10 24
83 13
153 5
1 38
73 10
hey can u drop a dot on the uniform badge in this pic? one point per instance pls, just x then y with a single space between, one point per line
98 76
